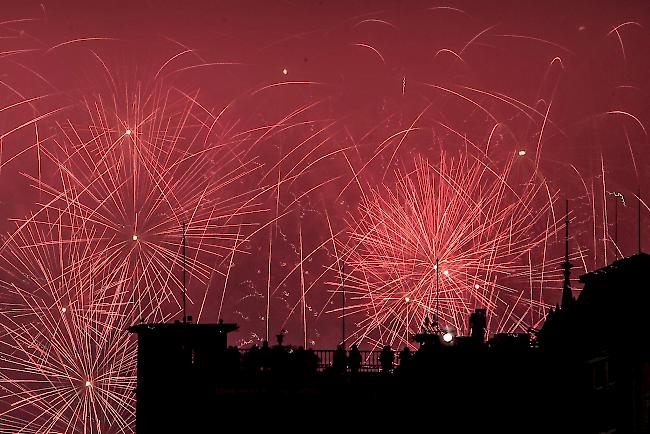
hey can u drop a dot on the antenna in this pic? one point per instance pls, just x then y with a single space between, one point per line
437 291
184 279
616 228
343 303
567 295
638 216
566 231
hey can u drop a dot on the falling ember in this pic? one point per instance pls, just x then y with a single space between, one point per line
521 153
284 71
128 132
135 237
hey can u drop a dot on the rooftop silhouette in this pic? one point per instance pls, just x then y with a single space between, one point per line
590 355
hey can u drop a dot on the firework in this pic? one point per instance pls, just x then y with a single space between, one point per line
447 239
68 364
129 170
119 160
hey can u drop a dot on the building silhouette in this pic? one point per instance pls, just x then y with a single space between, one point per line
586 370
601 340
178 367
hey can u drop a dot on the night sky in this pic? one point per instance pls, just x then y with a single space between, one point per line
293 137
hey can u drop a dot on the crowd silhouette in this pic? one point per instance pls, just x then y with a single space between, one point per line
285 361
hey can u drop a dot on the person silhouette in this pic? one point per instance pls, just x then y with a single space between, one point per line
252 359
426 327
339 361
386 359
354 359
405 359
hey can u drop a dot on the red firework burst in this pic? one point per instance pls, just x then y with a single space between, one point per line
447 239
67 363
131 169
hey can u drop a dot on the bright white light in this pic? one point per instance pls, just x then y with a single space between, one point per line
89 383
135 237
128 132
284 71
446 272
521 153
407 299
477 286
447 337
63 309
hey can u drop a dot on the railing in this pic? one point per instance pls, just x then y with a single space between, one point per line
370 360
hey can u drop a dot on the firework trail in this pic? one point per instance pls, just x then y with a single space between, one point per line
68 364
486 231
26 96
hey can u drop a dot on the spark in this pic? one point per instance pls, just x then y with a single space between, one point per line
373 49
618 195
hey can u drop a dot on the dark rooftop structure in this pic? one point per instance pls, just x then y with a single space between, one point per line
176 363
602 341
587 371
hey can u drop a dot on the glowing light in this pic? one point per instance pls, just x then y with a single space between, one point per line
63 309
446 272
407 299
448 337
284 71
89 383
521 153
135 237
477 286
128 132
